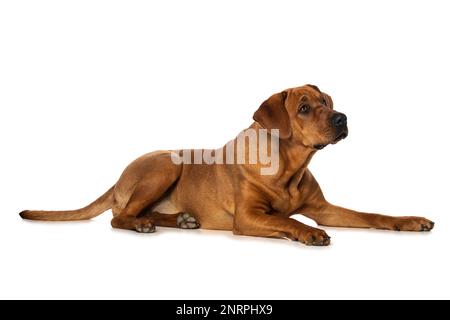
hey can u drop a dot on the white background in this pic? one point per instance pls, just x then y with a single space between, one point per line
87 86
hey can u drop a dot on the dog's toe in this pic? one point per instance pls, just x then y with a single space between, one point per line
412 224
187 221
145 228
427 226
316 237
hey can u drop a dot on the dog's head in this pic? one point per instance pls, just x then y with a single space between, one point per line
305 115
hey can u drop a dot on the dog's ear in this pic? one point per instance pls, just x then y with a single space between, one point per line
314 87
272 114
328 100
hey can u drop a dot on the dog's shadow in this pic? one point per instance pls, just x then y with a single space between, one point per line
228 235
164 231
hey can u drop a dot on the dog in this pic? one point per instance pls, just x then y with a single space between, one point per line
158 189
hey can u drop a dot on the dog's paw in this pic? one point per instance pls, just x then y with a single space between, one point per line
314 237
413 224
145 227
186 221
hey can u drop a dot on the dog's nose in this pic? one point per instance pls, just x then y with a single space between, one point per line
339 120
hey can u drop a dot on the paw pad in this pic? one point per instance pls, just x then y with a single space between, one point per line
186 221
145 228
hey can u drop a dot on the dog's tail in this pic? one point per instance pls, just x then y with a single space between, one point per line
96 208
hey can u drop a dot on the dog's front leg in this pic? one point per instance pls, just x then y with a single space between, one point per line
252 220
317 208
330 215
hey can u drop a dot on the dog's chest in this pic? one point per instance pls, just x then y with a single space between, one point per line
290 197
286 202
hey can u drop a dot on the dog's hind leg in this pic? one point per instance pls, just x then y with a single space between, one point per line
181 220
150 187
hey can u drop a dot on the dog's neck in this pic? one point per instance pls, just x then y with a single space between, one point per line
294 160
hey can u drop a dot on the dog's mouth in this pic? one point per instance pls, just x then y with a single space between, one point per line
319 146
340 136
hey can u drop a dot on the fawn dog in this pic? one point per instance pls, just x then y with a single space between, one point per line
158 189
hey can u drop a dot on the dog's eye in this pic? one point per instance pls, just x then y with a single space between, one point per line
324 102
304 108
